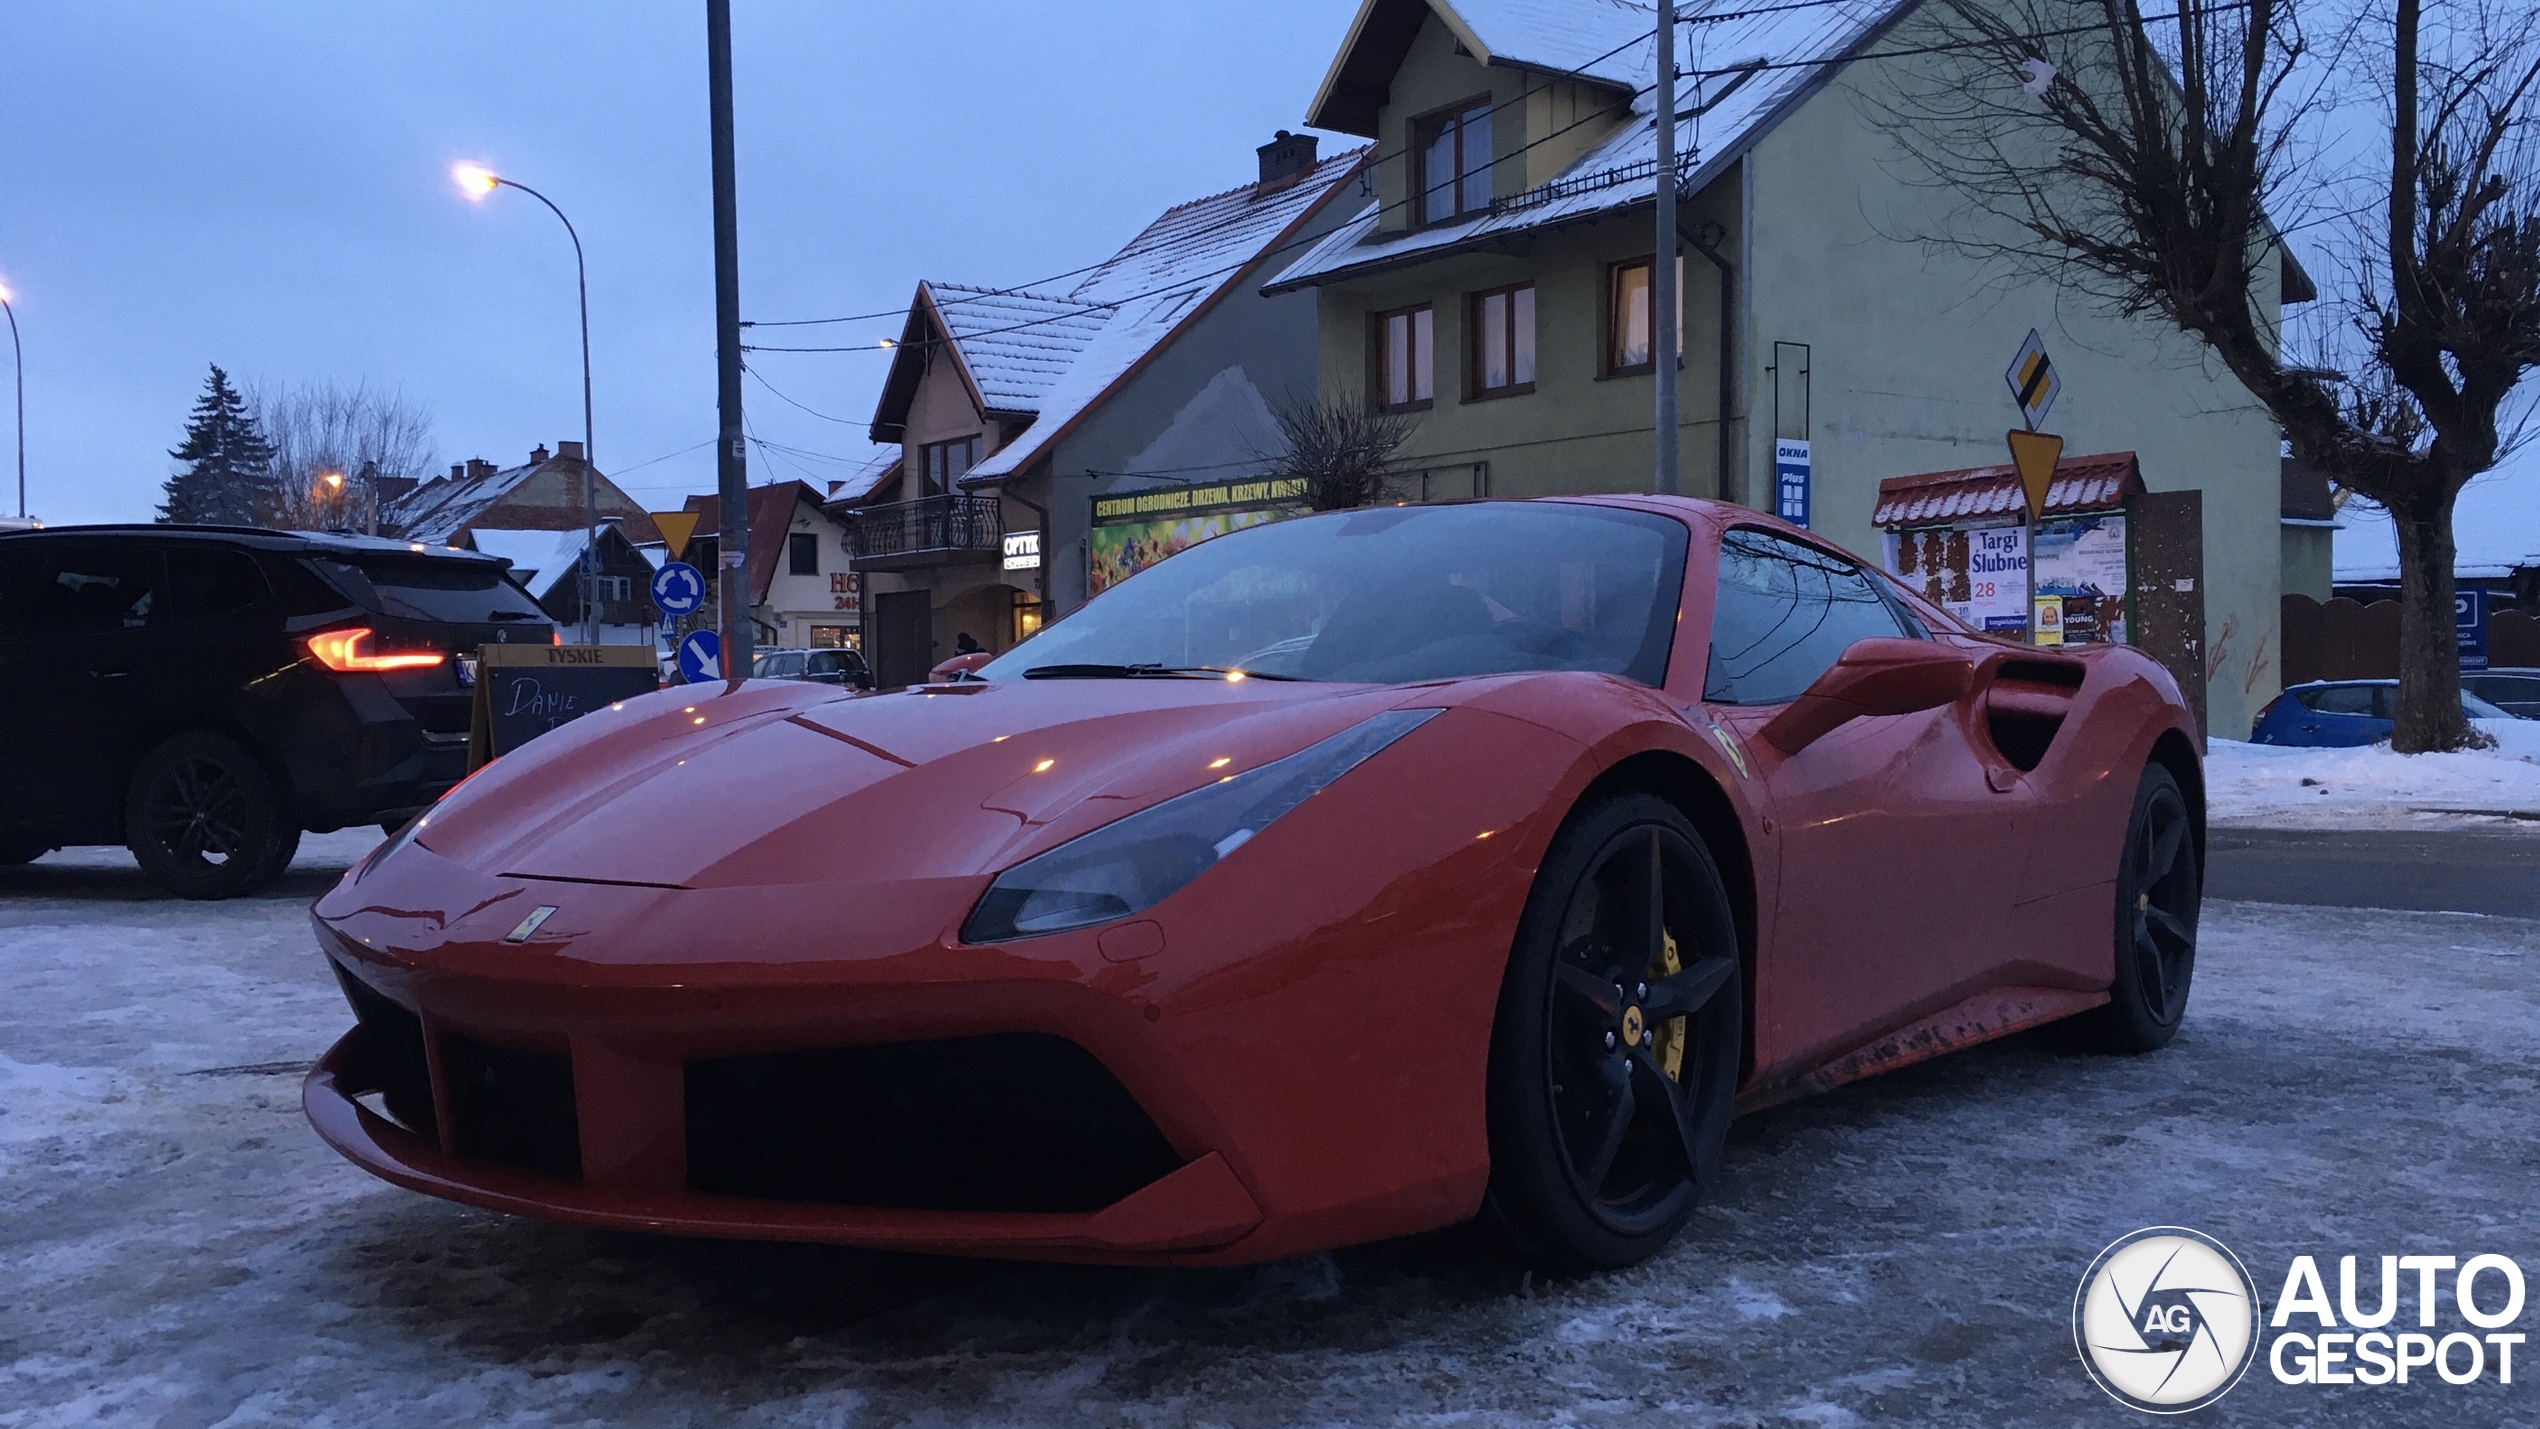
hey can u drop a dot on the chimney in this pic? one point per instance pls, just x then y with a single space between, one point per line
458 471
568 451
479 466
1284 161
538 456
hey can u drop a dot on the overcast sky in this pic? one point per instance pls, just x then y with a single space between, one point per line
265 186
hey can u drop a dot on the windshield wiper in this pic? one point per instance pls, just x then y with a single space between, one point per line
1140 672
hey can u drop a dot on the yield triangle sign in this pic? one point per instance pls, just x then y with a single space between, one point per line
676 527
2034 454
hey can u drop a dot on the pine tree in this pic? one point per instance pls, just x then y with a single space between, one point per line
228 474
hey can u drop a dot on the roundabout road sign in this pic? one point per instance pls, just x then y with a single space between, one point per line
678 589
701 657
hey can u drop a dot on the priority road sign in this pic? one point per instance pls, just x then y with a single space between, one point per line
678 589
701 657
2034 381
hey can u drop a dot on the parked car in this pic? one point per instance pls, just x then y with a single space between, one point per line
821 667
1335 879
203 695
2516 691
2338 714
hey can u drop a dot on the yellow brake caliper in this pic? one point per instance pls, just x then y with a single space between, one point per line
1667 1042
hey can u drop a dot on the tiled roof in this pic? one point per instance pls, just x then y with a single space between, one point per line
1719 115
771 515
2082 483
441 508
2306 495
1015 344
1191 253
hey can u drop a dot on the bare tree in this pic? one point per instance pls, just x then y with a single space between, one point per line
354 434
2153 162
1340 450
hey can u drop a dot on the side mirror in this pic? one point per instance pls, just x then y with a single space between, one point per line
1878 676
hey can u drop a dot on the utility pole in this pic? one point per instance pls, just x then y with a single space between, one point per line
1663 297
732 476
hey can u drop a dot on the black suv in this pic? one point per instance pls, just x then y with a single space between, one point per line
203 694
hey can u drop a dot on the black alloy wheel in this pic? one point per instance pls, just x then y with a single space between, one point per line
1615 1056
203 821
2159 889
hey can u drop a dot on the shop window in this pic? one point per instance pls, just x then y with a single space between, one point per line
1502 329
1628 323
1455 161
1027 616
1405 366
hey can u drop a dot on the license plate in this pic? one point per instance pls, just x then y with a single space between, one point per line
467 671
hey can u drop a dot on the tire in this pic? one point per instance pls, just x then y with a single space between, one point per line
1600 1148
203 819
2159 887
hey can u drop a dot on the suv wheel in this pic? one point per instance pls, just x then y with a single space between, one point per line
203 820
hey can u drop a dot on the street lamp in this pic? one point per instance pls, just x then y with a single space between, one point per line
477 181
17 357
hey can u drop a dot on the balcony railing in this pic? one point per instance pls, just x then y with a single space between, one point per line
930 531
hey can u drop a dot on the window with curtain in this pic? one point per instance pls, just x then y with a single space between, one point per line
1405 367
1628 325
1503 341
1454 153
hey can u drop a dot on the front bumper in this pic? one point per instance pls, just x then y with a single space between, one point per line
1198 1206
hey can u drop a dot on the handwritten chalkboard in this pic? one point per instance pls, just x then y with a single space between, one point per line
522 691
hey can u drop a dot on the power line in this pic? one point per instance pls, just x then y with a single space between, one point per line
770 386
1750 67
1025 289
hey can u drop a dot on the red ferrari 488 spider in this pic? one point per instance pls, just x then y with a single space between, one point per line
1339 878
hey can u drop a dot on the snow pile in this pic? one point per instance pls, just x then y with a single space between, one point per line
2272 784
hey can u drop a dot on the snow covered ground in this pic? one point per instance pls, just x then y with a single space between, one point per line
2372 787
177 1249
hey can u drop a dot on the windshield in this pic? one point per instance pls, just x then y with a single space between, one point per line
1392 594
433 588
2477 708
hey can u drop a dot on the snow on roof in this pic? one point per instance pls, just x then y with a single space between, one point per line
1015 344
1178 264
2082 483
538 558
1719 114
440 508
880 466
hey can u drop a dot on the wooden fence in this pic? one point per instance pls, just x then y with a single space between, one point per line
2345 639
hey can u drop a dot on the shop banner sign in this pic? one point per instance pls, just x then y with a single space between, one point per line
1791 472
1134 530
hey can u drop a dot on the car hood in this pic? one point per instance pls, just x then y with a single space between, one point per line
779 782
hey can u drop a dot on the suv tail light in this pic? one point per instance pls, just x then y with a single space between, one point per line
341 651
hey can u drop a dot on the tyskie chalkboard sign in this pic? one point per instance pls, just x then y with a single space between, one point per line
522 691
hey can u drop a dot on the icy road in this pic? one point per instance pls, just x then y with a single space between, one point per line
176 1247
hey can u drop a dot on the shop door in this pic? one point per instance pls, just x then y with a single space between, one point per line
903 637
2165 539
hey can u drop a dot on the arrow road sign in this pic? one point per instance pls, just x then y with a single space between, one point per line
701 657
2033 380
678 589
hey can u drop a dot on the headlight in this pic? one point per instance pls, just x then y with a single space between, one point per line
1137 862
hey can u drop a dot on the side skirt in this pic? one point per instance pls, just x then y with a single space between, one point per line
1981 1018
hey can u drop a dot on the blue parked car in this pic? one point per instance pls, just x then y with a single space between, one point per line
2341 713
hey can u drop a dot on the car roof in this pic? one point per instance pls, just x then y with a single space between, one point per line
2326 684
298 543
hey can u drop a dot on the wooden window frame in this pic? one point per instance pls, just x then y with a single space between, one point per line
1614 325
1424 127
1478 390
1376 370
794 542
